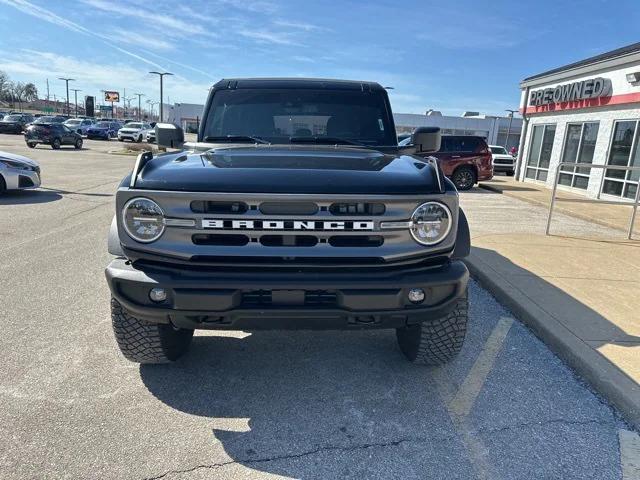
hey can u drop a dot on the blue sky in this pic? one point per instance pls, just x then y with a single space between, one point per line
450 56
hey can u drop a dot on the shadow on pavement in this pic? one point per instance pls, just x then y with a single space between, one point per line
500 185
24 197
340 399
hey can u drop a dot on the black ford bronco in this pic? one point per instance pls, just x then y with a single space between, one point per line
295 209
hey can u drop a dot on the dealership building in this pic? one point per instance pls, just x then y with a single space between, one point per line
587 112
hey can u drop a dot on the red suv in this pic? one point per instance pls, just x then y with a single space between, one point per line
466 160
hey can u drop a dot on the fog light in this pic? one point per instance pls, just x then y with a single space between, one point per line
416 295
158 294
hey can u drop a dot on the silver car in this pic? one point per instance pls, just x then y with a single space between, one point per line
18 172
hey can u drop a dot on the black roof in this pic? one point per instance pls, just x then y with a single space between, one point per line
297 83
619 52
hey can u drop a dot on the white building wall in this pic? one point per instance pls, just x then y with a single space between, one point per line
605 115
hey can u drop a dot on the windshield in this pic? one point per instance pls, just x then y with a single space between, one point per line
12 118
498 150
103 124
277 115
133 125
44 120
72 122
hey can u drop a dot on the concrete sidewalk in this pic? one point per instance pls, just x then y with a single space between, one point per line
580 295
612 216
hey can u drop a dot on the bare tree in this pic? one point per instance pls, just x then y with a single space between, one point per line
30 92
18 93
4 86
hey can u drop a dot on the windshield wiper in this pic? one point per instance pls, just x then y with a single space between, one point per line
235 138
329 140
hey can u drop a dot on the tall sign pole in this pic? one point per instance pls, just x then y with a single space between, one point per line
161 75
67 80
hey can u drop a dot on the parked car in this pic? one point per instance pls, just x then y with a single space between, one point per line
80 125
151 135
134 131
48 119
466 160
503 161
54 134
103 130
15 123
18 172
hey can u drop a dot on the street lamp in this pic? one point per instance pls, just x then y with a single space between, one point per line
127 102
511 112
75 91
139 112
161 75
67 80
151 104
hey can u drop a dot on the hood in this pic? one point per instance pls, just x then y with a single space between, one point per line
289 169
18 158
502 156
130 130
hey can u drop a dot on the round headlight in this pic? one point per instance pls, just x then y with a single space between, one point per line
430 223
143 219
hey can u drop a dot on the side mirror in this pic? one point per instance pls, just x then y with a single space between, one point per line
169 135
426 139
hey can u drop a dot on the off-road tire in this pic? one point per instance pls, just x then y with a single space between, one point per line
435 342
145 342
56 143
464 178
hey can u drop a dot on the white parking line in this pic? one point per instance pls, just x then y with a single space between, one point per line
629 454
468 392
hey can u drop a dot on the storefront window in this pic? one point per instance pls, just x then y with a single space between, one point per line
579 145
624 152
540 152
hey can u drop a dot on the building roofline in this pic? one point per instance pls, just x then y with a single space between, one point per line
613 54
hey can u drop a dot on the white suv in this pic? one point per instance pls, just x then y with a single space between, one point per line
134 131
503 161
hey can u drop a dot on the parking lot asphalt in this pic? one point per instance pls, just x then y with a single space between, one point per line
312 405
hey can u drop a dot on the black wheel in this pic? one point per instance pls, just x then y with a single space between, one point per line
56 144
510 173
78 144
435 342
145 342
464 178
3 185
31 144
121 139
139 139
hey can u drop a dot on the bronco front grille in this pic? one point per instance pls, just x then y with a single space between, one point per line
280 230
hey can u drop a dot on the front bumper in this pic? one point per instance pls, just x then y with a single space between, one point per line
503 167
128 136
276 300
100 135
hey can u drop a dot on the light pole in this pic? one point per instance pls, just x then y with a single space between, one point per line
139 113
75 92
511 112
67 80
151 104
161 75
127 102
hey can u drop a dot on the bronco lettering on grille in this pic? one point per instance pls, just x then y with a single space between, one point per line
286 224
